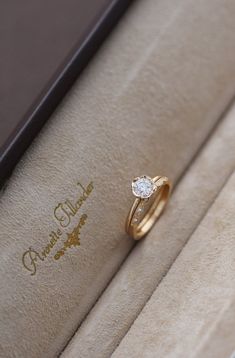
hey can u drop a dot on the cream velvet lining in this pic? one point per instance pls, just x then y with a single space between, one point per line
146 103
151 259
184 315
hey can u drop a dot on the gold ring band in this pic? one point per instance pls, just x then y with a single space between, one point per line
152 195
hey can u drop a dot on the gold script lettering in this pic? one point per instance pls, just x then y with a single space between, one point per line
62 215
29 260
64 212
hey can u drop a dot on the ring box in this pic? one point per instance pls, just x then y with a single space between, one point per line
146 103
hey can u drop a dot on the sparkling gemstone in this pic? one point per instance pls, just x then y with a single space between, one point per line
143 187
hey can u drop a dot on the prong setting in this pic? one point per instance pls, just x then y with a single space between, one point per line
143 187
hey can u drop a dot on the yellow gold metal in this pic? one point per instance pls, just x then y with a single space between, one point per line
145 212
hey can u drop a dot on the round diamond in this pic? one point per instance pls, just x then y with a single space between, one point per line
143 187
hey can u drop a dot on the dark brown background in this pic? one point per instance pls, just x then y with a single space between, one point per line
38 40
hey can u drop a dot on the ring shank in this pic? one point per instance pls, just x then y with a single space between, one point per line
137 231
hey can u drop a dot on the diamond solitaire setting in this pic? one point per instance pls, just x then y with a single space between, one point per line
143 187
